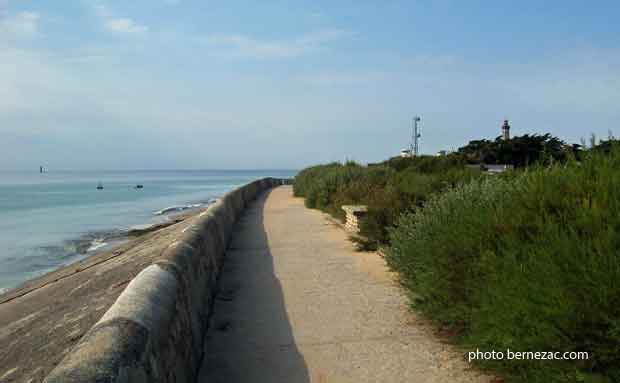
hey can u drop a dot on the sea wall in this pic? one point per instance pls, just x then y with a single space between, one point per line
154 330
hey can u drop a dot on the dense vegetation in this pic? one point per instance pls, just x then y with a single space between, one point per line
526 261
518 151
402 184
388 189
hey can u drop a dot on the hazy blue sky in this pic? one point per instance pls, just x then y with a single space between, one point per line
284 84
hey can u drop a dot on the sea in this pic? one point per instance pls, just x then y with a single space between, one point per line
54 218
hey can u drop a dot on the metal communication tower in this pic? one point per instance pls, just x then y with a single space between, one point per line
415 136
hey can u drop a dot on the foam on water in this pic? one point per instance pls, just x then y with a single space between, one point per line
96 244
173 209
145 226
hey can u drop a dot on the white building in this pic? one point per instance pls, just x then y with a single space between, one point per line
405 153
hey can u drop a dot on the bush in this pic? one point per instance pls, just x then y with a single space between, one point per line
528 262
319 184
388 189
425 164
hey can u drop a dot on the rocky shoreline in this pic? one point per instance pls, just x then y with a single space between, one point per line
44 317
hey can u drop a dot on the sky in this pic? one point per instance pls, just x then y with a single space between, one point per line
181 84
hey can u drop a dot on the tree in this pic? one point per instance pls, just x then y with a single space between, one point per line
518 151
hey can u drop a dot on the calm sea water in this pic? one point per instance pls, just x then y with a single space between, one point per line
49 220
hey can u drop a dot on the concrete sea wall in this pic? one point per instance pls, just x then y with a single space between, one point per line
154 330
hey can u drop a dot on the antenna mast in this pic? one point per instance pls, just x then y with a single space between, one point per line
415 137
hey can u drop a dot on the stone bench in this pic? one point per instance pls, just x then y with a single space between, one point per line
354 214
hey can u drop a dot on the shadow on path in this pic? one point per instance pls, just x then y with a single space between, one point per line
250 337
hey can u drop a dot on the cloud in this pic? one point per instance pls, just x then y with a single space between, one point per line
19 25
125 25
237 45
66 103
119 25
103 11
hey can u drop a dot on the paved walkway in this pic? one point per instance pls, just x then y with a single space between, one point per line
297 304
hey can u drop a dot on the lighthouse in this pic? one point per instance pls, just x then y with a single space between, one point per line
506 130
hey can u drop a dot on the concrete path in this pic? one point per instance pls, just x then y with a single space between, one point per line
297 304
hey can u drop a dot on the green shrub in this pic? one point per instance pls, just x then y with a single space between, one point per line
425 164
528 262
388 189
319 183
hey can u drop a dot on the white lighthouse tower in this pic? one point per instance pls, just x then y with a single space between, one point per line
506 130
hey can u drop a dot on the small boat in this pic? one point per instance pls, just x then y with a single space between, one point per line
139 186
99 186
